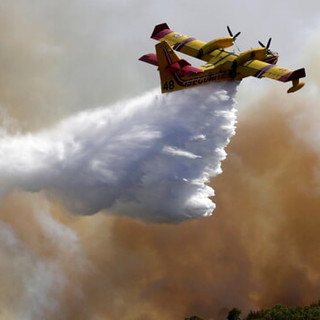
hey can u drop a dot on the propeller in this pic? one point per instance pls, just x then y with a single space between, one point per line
267 46
231 34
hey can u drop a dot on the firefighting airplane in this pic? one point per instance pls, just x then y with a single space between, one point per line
221 65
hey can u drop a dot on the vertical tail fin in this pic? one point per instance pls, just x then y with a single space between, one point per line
175 73
168 63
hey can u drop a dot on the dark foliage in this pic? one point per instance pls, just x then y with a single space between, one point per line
280 312
234 314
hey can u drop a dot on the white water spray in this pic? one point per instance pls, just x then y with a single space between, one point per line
148 158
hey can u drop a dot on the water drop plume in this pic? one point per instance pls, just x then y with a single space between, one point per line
149 157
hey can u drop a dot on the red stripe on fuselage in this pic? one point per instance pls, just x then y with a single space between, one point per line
197 81
181 44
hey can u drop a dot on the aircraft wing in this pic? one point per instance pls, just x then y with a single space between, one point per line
261 69
185 44
191 46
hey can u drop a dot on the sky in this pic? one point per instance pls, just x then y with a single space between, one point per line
259 248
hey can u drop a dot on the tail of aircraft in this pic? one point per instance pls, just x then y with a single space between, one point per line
168 63
170 67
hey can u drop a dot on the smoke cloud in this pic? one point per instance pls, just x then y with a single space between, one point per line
35 271
149 157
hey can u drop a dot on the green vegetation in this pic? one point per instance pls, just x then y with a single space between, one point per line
278 312
196 318
234 314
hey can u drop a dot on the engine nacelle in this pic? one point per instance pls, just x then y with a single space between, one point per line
257 54
219 43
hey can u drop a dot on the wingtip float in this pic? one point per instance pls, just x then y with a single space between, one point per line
221 65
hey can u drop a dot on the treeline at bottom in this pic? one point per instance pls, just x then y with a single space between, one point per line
278 312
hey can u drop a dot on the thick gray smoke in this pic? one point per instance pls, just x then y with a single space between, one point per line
149 157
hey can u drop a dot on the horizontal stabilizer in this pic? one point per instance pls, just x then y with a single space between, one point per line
190 70
150 58
184 68
175 67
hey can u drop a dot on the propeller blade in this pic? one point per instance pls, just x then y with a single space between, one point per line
231 34
269 42
236 35
261 44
